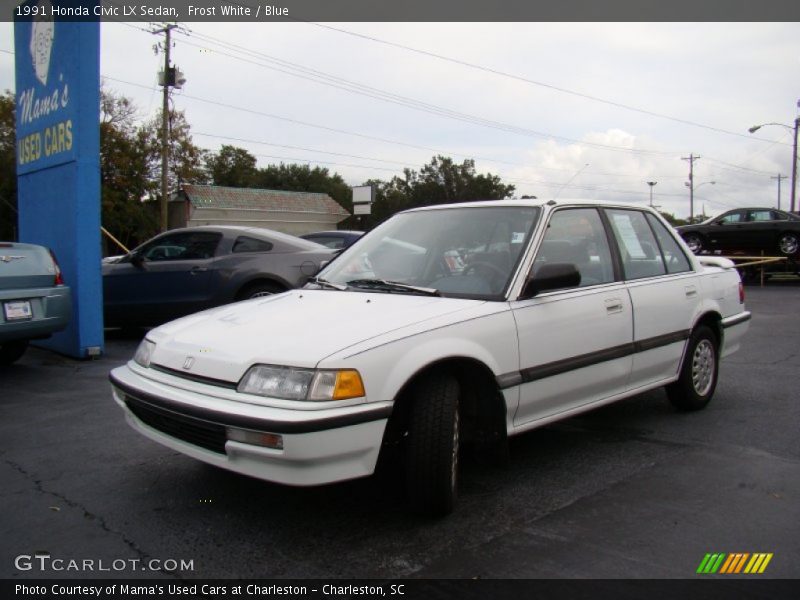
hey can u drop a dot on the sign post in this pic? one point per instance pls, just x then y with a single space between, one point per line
58 161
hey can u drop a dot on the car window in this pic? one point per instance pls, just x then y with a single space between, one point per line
763 215
734 217
249 244
674 257
327 241
190 245
637 244
465 252
577 236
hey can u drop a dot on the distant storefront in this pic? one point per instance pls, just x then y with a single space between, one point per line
290 212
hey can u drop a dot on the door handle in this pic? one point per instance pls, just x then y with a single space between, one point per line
613 306
691 291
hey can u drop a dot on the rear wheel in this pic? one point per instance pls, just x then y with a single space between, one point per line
259 290
698 379
432 445
12 351
694 241
789 243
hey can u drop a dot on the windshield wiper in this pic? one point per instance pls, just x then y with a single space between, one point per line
392 286
327 284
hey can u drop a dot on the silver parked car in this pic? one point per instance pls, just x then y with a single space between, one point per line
186 270
35 301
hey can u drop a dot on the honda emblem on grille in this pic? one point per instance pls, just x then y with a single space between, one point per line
188 363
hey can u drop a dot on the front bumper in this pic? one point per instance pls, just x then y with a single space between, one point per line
319 446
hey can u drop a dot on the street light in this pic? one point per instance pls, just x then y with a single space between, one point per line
755 128
652 185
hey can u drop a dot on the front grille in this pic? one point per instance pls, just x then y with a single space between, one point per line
189 429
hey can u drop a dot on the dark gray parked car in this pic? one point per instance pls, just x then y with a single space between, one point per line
35 302
186 270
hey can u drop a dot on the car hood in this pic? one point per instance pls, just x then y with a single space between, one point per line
297 328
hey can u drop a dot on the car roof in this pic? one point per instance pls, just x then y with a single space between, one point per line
539 203
262 232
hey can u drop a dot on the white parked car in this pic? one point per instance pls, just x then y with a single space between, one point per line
445 325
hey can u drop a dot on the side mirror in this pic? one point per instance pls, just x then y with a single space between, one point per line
137 260
551 276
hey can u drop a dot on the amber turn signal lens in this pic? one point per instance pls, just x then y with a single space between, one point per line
348 385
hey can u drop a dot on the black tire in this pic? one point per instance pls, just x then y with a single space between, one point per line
694 241
699 372
432 446
12 351
259 290
789 244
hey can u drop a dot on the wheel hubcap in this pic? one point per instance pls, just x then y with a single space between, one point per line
788 244
703 367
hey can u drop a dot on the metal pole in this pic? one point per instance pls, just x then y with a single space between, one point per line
779 177
163 204
691 160
794 163
651 184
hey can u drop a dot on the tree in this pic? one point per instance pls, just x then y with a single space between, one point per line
302 178
233 167
186 160
8 168
439 182
124 173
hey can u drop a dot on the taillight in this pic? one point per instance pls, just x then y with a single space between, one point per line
741 293
59 279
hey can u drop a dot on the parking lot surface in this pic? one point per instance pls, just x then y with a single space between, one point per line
631 490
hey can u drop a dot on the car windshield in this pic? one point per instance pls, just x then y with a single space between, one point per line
465 252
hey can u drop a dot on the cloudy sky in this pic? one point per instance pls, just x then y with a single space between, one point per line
591 110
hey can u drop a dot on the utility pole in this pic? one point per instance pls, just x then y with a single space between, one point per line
794 161
779 177
652 184
691 158
164 205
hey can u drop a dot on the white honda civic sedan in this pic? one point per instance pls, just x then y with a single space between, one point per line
444 326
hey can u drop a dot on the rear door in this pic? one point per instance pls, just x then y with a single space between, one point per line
664 291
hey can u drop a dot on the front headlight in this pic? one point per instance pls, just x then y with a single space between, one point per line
144 353
288 383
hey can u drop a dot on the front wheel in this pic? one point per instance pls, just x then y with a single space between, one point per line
698 378
789 243
432 446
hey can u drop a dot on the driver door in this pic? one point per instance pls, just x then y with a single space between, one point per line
167 278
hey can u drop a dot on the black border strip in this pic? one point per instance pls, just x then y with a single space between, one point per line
566 365
253 423
231 385
737 320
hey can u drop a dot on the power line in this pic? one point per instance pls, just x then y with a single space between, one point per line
421 106
536 83
357 88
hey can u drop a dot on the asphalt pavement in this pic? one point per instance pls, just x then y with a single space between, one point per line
633 490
